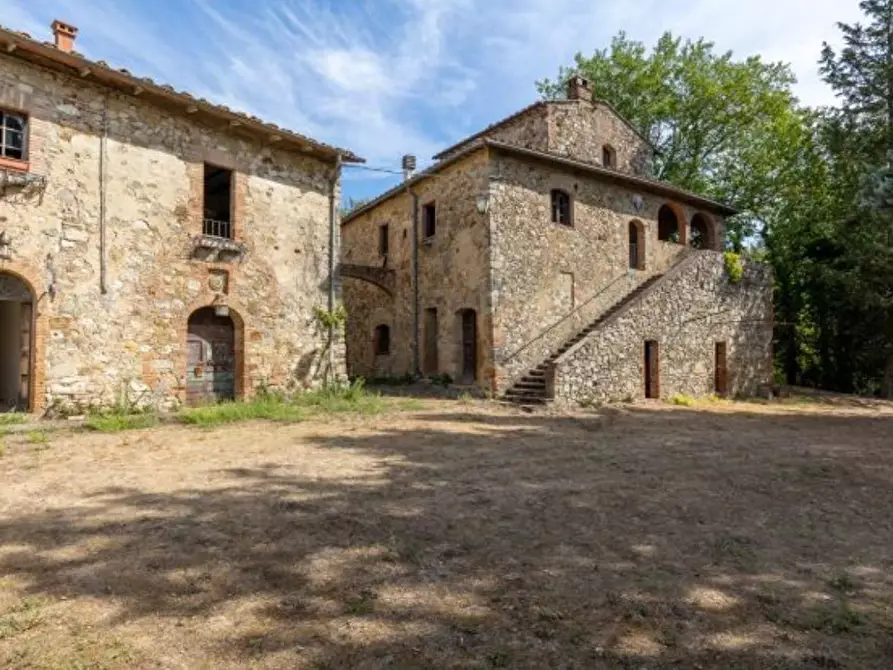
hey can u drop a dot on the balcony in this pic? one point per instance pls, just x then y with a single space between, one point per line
215 244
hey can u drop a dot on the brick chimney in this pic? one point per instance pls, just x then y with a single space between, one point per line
579 88
65 34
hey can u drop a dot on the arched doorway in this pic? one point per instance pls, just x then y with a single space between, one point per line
636 245
702 232
16 343
210 356
668 225
468 348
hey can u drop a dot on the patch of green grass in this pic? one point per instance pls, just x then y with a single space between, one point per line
353 399
271 409
114 423
465 398
22 617
37 437
682 400
843 582
13 418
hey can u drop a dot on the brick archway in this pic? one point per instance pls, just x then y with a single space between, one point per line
704 234
665 215
37 363
243 385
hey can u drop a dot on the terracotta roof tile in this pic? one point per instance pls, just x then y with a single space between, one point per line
67 61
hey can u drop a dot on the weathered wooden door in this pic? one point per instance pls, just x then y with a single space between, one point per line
652 369
431 363
633 246
26 316
210 358
721 373
469 345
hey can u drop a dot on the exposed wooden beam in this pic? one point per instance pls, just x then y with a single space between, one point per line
84 71
192 109
275 138
137 90
234 123
12 46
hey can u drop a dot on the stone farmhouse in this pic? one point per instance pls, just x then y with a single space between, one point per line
539 261
154 247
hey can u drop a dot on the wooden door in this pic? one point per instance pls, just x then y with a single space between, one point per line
469 345
210 358
721 381
26 319
652 369
431 362
633 246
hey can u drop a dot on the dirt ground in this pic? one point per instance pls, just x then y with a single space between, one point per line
458 536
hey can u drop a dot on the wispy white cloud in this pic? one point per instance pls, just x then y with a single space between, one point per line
387 77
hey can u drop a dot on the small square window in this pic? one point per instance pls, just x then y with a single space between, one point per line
13 135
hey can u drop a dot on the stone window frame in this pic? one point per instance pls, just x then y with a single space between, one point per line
555 220
384 238
609 156
430 206
381 340
238 189
22 164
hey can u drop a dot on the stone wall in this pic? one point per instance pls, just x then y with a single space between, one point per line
453 274
577 129
687 312
95 347
531 256
529 129
580 129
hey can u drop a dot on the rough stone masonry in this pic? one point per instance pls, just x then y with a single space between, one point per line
104 217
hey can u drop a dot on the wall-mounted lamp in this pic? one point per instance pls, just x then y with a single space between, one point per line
483 203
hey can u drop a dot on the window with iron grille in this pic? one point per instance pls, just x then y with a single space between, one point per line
13 135
561 208
218 193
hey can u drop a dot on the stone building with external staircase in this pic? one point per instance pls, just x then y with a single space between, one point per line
155 248
539 261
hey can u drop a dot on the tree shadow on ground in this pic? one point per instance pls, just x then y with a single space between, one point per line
640 539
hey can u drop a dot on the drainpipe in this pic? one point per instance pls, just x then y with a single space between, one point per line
333 216
415 282
103 242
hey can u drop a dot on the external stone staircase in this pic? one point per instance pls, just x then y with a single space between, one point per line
531 388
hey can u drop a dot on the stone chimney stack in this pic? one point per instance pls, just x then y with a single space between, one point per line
579 88
65 34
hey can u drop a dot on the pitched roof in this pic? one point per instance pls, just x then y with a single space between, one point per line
606 174
23 46
609 174
542 104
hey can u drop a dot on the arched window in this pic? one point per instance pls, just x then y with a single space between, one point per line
609 156
561 208
702 232
667 225
382 340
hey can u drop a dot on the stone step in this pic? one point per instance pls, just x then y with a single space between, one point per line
530 386
525 400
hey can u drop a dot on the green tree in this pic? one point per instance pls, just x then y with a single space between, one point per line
861 132
722 127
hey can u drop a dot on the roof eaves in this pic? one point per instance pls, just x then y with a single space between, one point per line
651 185
80 63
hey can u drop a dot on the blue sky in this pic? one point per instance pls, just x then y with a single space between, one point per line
388 77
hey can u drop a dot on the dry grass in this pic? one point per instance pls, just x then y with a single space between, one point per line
461 536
